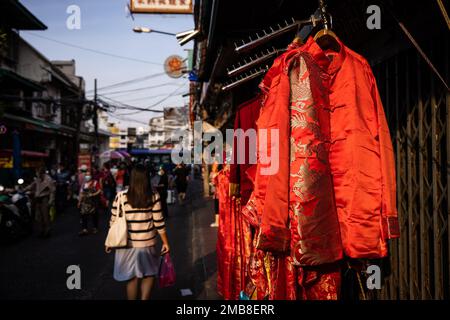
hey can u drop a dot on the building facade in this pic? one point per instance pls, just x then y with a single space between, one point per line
42 103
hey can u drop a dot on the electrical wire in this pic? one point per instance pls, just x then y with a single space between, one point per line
121 105
145 98
128 82
127 119
93 50
141 88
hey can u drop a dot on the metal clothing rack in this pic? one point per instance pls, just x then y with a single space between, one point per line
252 61
320 16
246 77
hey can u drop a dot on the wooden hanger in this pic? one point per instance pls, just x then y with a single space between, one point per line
327 40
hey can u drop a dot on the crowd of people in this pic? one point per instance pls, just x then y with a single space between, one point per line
93 190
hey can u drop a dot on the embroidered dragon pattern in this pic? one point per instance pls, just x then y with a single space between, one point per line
311 199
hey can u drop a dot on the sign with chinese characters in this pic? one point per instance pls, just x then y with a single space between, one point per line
6 162
84 159
174 66
161 6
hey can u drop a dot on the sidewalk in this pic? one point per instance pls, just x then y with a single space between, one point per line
36 269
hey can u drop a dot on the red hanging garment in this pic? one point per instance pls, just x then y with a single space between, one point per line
245 120
360 156
271 275
244 152
224 247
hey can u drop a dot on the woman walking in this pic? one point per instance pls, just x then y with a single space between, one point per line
181 173
138 263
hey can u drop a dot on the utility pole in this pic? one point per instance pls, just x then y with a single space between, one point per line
95 114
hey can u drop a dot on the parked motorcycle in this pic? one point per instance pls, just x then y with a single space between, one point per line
15 213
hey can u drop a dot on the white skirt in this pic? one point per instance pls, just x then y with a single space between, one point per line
132 263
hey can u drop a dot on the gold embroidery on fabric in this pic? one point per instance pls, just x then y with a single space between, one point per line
302 148
306 183
268 269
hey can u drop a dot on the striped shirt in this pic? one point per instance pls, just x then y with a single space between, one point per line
143 223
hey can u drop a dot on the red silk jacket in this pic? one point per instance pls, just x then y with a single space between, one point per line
361 156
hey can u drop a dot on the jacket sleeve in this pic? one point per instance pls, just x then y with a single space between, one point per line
274 232
390 227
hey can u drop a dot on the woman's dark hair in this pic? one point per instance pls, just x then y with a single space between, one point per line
139 193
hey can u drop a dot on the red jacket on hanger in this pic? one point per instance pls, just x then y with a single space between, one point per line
361 156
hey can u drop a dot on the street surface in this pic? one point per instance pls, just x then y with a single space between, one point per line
35 268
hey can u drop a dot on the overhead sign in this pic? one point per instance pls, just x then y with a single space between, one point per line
84 159
174 66
161 6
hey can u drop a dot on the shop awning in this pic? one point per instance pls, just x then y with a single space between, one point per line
10 78
25 153
17 16
41 125
148 152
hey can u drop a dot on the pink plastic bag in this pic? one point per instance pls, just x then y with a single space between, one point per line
166 272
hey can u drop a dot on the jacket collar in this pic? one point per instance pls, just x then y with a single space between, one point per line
331 66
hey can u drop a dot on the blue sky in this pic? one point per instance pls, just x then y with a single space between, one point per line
106 27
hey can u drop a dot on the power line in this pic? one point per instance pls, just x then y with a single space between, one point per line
117 105
128 82
141 88
122 105
145 98
94 50
127 119
170 95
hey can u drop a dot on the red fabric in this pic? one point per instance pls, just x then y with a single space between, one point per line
319 283
233 243
226 237
315 234
268 201
224 246
361 155
274 277
245 120
246 116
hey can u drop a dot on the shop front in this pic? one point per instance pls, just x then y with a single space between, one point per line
333 81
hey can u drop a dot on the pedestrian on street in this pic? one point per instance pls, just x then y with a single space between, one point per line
82 174
215 168
181 181
88 203
108 185
138 264
43 188
162 188
122 177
